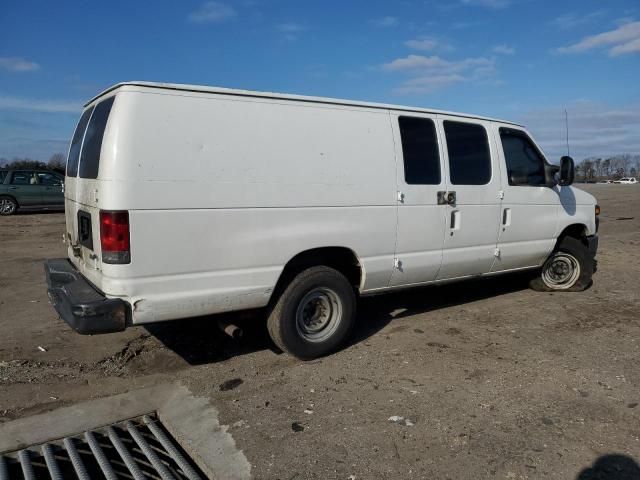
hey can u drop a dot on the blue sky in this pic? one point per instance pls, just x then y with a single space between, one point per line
523 60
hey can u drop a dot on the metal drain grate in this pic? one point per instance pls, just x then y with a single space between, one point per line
135 449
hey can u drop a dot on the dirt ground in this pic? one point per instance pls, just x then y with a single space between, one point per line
493 380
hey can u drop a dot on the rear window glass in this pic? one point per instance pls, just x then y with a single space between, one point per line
76 144
90 156
420 151
469 156
3 175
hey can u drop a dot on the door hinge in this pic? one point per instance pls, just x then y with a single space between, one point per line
400 196
501 194
496 253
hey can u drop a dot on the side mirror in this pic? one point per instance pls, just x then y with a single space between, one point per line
567 171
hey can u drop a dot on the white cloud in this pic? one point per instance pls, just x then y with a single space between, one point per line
422 44
595 129
504 50
34 105
212 12
630 47
428 74
488 3
428 83
622 40
420 62
572 19
386 22
17 64
428 44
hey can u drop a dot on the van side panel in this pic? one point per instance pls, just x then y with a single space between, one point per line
222 192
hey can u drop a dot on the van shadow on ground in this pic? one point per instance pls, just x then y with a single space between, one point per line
611 467
199 340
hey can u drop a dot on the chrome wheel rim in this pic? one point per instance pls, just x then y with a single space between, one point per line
561 271
7 207
318 314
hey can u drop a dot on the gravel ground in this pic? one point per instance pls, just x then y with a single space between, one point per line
474 380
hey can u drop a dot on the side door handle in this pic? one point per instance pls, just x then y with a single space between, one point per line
13 188
456 218
506 217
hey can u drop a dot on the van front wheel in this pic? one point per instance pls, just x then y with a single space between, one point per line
314 314
569 268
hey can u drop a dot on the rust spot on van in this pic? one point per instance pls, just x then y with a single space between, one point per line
137 305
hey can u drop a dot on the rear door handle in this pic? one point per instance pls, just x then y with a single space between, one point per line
13 188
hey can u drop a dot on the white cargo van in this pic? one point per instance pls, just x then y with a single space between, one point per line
184 201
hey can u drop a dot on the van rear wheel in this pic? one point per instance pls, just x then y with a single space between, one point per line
8 205
314 314
569 268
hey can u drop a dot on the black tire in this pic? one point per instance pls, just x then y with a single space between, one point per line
570 253
8 205
316 295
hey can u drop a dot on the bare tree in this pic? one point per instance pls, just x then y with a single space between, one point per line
57 162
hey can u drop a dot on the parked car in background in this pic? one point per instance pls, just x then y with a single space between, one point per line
627 180
30 189
606 181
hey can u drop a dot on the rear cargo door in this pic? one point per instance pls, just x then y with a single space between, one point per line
82 190
421 217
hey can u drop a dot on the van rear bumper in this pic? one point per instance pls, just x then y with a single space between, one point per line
78 303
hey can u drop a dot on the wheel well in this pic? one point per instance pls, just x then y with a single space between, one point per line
11 197
577 231
341 258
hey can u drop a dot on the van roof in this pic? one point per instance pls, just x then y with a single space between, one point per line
285 96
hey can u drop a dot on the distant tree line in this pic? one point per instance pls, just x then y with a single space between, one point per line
57 163
595 169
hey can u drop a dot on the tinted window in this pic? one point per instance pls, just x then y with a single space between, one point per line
90 156
469 156
525 165
76 143
24 178
3 175
50 179
420 151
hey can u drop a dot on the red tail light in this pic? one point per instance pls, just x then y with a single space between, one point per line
114 236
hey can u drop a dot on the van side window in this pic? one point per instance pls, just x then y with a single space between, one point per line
76 143
469 155
420 151
90 156
525 164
